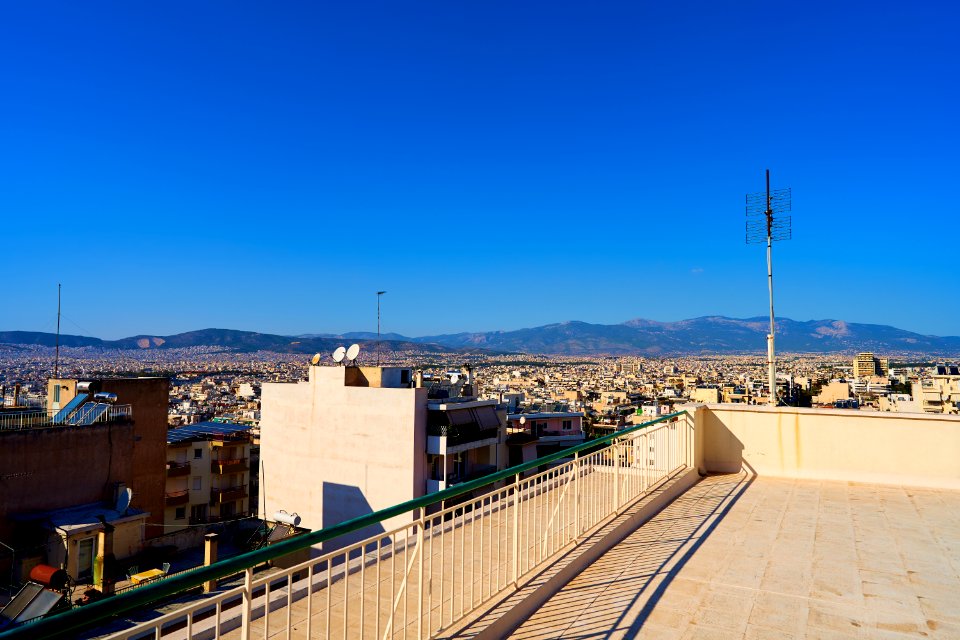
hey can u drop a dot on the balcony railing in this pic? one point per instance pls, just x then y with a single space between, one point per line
177 498
229 466
218 496
178 469
461 434
519 527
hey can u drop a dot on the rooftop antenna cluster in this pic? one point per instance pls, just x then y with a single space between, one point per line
767 221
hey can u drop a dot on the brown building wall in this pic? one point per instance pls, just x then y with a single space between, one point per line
44 469
149 399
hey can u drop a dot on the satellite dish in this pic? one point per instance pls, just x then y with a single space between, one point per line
353 352
123 500
523 420
338 354
454 379
315 359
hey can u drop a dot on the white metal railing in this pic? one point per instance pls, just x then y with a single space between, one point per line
419 579
17 420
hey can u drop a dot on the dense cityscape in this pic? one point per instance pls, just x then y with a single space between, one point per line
474 321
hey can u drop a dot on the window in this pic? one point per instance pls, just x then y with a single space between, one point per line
197 483
180 514
567 425
197 454
56 393
198 513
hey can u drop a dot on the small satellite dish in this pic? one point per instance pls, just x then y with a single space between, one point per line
338 354
123 500
315 359
454 379
523 420
353 352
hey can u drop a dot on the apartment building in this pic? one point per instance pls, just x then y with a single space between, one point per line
351 440
939 393
84 468
208 474
866 365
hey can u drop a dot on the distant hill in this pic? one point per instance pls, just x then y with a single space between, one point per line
239 341
709 334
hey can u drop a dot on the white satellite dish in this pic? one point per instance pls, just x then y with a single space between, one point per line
123 500
353 352
523 420
454 379
338 354
315 359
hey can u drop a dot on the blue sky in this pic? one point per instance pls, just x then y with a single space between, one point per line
492 165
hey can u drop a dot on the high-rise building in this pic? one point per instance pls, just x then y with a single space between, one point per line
866 365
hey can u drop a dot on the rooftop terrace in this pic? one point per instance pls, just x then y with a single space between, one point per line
741 556
721 521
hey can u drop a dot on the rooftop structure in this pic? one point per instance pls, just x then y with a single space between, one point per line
351 440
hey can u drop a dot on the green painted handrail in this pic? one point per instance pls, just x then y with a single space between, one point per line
69 622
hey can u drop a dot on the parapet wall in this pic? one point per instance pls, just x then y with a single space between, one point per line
921 450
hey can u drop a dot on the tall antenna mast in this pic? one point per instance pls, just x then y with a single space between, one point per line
379 293
766 222
56 357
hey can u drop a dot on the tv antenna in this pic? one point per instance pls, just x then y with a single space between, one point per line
766 222
56 358
338 354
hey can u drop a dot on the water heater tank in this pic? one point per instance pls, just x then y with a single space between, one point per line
287 518
48 576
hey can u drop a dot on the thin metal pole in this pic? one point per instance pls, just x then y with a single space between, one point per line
56 358
771 361
379 293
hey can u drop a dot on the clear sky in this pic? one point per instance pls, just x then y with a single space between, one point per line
493 165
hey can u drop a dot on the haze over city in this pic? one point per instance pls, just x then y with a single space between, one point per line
248 168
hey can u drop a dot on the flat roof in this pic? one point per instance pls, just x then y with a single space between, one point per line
206 431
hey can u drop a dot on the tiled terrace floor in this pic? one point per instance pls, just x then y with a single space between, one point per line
742 557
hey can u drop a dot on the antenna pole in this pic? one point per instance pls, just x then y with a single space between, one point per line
771 360
56 358
379 293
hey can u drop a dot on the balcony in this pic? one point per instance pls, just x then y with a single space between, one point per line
219 496
236 465
178 469
177 498
447 439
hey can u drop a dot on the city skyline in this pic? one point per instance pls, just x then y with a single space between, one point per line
246 168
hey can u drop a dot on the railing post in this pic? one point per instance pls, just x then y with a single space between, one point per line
576 496
515 574
245 613
616 478
420 586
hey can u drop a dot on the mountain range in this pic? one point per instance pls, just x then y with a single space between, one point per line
705 335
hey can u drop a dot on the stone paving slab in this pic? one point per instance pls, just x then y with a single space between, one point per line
749 557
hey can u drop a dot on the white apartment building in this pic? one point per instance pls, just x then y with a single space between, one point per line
352 440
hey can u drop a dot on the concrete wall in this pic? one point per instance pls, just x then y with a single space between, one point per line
860 446
53 468
149 399
331 452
